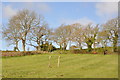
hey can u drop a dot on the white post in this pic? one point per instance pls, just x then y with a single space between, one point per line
58 61
49 61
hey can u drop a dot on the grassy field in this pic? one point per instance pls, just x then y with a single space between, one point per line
71 66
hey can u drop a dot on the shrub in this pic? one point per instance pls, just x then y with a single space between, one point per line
77 51
23 53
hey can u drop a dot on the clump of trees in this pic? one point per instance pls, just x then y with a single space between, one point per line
28 27
111 28
31 29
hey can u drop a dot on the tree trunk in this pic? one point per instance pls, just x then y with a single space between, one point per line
115 45
23 44
105 45
89 48
65 46
80 46
17 46
60 47
115 41
69 45
39 48
89 45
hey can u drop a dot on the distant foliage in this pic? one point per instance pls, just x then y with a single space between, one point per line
47 47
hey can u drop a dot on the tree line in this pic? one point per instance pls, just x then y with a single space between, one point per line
31 29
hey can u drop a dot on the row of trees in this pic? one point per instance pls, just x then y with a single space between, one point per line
31 29
88 35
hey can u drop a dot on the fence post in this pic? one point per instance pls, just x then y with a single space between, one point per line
49 65
58 61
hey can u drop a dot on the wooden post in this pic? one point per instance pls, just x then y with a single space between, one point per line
58 61
49 65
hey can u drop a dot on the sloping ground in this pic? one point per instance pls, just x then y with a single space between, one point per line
71 66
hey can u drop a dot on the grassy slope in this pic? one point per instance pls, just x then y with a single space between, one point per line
72 66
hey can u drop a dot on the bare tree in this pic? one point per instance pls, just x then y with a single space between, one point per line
90 33
11 34
112 27
77 35
24 20
70 29
61 36
103 38
37 33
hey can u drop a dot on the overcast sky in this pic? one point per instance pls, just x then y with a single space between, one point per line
56 13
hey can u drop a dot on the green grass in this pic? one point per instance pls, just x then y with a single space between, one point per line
71 66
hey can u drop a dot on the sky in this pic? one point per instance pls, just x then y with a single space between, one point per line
57 13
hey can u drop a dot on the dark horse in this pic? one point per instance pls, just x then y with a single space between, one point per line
105 52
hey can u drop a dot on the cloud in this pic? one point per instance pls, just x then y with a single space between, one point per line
82 21
107 9
41 7
8 11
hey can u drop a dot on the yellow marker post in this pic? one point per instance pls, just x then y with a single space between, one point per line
49 65
58 61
